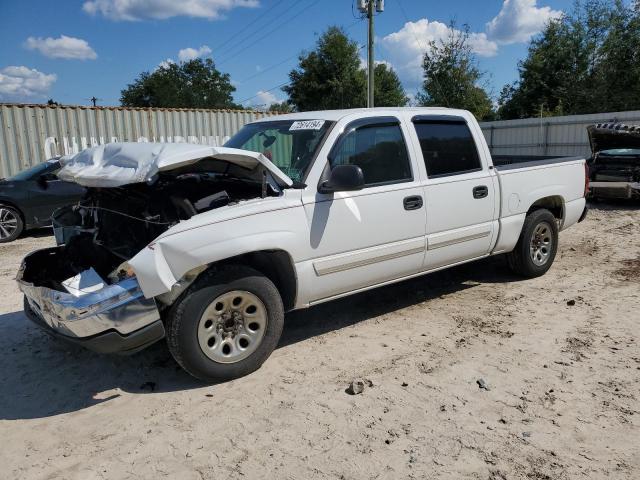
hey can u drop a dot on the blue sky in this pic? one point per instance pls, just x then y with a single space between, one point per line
73 50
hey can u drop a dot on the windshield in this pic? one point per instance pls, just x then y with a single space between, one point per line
621 152
290 144
33 172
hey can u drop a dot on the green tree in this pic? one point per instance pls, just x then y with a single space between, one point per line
193 84
587 61
617 74
388 91
452 77
330 77
282 107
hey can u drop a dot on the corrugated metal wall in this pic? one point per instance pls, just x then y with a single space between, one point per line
552 136
30 134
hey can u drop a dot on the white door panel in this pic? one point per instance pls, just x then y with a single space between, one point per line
459 226
362 238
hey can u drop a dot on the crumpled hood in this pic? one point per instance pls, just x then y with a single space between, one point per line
118 164
609 136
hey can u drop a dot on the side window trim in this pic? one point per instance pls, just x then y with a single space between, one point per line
371 122
451 119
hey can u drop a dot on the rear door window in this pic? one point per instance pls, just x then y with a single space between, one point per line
448 147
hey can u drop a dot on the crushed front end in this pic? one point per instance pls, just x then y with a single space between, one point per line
114 318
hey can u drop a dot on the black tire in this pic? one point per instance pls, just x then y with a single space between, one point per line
520 259
184 319
10 217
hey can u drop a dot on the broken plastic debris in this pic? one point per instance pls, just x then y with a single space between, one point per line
85 282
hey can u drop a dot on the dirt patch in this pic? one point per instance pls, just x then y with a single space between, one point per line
630 270
475 374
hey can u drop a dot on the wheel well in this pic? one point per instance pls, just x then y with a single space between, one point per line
15 207
555 204
277 266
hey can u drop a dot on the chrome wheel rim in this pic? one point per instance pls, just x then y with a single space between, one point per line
8 223
232 326
541 244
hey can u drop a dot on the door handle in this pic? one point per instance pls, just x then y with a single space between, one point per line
480 191
413 202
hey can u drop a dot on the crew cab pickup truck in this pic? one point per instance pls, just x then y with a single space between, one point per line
210 246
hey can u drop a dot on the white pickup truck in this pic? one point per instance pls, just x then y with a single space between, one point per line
209 246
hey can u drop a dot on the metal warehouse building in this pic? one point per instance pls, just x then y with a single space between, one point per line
548 136
30 134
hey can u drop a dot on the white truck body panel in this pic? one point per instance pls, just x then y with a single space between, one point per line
347 242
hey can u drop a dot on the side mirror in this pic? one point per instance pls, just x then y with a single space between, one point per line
42 181
343 178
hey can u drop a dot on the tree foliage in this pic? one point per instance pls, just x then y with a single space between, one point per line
587 61
282 107
331 77
452 77
387 88
193 84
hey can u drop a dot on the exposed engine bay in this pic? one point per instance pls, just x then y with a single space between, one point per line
111 225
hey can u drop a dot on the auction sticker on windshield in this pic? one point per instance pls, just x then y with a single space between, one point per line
307 125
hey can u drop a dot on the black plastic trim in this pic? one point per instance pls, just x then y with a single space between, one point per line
438 119
584 214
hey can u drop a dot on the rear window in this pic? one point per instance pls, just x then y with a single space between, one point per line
448 147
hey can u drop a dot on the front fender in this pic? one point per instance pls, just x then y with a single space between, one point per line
160 265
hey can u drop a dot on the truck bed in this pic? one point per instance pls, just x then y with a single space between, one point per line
510 162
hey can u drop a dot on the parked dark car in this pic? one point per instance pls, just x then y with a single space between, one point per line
28 199
614 168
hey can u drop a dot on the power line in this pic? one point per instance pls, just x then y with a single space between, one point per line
265 70
278 25
264 91
248 25
277 86
271 67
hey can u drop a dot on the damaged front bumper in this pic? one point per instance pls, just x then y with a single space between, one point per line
115 319
615 189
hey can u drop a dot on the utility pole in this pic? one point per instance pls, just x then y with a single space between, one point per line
367 7
370 60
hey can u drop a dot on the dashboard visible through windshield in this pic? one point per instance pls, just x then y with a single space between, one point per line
290 144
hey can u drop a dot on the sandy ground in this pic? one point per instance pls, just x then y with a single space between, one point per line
560 356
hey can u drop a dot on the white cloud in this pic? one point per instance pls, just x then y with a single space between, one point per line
162 9
405 48
364 65
265 99
24 84
69 48
165 63
187 54
518 20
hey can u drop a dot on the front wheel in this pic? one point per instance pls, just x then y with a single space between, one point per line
227 324
537 246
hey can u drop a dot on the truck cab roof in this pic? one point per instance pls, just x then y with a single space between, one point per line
336 115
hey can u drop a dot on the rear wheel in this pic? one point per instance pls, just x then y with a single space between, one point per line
226 325
11 224
537 246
